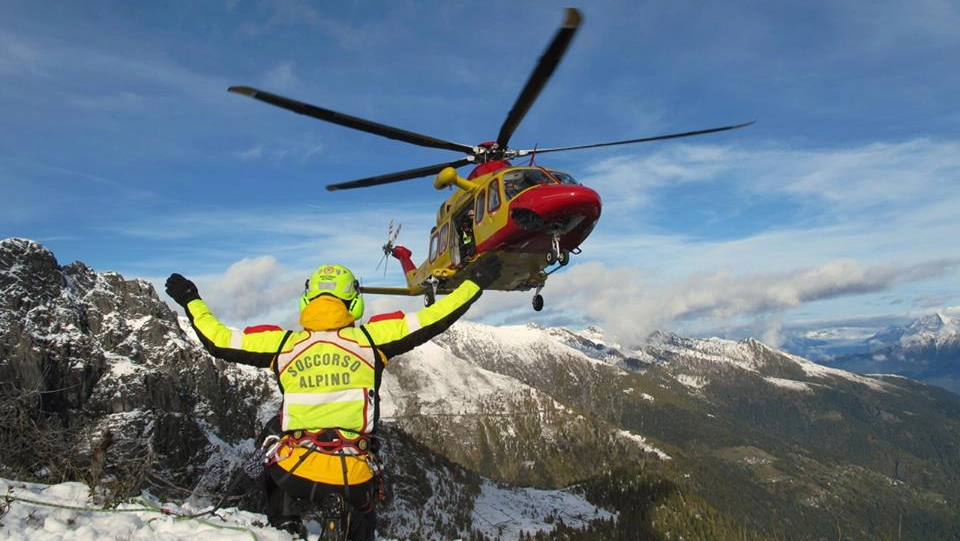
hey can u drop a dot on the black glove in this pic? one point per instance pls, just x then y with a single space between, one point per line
486 271
181 290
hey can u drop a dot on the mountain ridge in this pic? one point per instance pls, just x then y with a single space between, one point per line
926 349
756 442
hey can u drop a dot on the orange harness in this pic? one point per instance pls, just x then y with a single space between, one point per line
329 442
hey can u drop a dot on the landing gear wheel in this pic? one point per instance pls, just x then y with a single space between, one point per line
429 298
564 258
555 253
538 302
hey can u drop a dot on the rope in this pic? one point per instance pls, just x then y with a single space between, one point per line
469 414
73 507
147 508
179 516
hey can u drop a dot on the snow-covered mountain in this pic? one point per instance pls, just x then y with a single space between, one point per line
113 377
491 432
932 331
926 349
109 376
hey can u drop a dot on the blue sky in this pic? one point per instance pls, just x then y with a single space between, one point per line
121 148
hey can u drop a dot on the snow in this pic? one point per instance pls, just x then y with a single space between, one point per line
137 323
184 323
815 370
121 365
523 341
455 385
742 354
719 350
693 382
936 330
506 513
642 441
790 384
644 396
37 512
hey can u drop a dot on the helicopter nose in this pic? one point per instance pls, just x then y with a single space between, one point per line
547 204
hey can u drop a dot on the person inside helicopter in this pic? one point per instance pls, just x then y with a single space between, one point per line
513 184
467 240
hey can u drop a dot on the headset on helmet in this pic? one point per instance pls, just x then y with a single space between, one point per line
335 280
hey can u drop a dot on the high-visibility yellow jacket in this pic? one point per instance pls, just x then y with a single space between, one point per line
327 371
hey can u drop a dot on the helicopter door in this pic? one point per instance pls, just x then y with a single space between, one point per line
463 237
455 245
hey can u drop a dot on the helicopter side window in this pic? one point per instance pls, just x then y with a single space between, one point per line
479 207
493 196
434 245
443 238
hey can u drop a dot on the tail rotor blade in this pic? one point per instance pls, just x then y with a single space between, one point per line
392 235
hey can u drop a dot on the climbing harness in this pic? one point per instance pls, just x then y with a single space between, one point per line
329 441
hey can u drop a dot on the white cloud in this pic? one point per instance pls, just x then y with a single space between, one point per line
625 181
876 203
253 291
878 173
630 306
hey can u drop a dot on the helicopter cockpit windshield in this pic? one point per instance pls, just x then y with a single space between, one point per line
518 180
564 178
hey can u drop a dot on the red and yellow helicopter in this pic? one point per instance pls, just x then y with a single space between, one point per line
533 218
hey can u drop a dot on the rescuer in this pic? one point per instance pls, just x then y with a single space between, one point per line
321 447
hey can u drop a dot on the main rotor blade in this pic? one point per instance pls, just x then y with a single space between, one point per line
641 140
350 121
398 176
541 74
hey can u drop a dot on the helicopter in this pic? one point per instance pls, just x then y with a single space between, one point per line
532 218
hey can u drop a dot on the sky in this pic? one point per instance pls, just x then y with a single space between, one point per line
120 147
